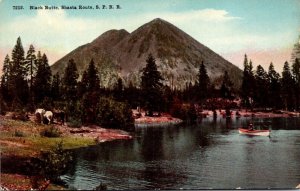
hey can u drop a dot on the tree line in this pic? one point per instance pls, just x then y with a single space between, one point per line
27 83
269 89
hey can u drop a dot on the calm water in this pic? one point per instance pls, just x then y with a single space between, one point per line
211 154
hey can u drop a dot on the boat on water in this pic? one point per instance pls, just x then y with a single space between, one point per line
254 132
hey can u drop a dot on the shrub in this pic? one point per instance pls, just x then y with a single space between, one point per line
19 134
54 162
50 132
74 122
186 112
113 114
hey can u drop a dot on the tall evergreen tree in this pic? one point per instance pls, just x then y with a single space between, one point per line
274 88
38 59
42 83
227 86
261 80
151 86
18 59
287 84
296 77
119 90
70 81
17 80
248 83
56 87
203 83
92 81
5 89
30 65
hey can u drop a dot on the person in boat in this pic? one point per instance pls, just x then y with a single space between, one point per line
250 127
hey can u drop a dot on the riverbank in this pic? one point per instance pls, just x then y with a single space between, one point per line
21 141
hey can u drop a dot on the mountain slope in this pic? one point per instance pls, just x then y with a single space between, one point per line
177 54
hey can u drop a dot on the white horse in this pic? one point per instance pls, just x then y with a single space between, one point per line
49 116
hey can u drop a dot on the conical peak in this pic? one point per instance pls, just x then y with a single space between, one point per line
158 21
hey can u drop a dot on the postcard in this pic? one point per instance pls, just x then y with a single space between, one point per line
138 95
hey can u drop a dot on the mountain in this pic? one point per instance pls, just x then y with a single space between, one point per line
122 54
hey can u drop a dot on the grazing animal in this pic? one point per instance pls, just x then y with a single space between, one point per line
48 116
60 116
39 114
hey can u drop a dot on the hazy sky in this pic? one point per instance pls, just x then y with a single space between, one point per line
264 29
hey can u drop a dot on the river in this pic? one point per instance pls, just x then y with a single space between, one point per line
211 154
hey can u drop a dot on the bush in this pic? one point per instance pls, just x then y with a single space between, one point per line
74 122
186 112
113 114
54 163
50 132
19 134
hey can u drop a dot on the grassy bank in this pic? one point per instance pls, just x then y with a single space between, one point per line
21 141
24 138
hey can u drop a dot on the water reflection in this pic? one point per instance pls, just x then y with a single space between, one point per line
210 154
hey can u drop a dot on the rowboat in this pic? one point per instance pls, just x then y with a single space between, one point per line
254 132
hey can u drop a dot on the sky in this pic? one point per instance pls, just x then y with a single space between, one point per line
265 30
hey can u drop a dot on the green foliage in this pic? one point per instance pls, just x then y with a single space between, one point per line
151 86
287 84
274 88
186 112
203 83
56 87
42 83
89 105
70 82
227 86
51 132
296 77
30 64
55 162
261 96
19 133
113 114
248 84
6 90
47 104
74 122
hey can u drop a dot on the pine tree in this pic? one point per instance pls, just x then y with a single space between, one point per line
70 81
227 86
18 59
151 86
42 83
38 59
56 87
296 77
274 88
248 83
287 84
203 83
93 82
261 80
119 90
17 81
5 88
30 65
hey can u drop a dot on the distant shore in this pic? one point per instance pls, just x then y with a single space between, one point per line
155 121
248 113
